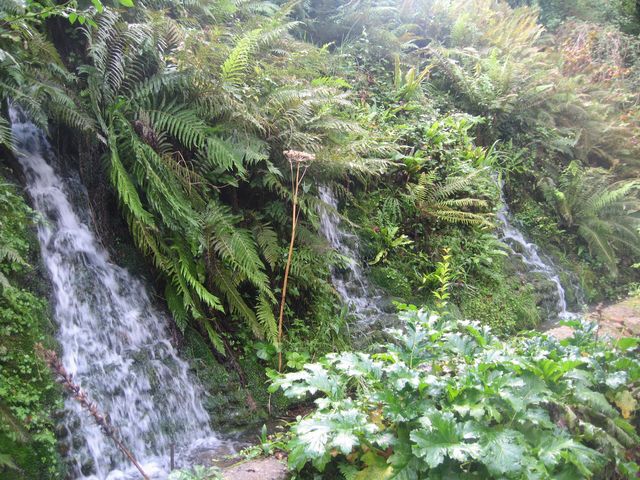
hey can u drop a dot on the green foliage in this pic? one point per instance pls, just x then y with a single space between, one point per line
390 241
32 73
447 399
538 223
196 473
29 397
410 108
434 201
605 216
623 13
194 124
502 304
197 244
442 277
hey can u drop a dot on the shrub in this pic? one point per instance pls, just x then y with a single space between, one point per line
447 399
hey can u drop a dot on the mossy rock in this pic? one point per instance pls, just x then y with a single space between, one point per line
231 405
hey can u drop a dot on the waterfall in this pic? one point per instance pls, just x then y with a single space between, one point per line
367 303
530 255
114 342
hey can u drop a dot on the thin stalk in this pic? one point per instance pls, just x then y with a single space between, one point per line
300 159
294 223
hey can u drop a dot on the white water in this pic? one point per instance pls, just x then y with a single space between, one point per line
114 341
365 301
530 255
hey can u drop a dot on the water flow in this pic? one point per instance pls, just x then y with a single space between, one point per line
530 255
113 340
367 303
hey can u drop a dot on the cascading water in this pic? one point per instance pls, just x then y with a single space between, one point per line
114 341
530 255
367 304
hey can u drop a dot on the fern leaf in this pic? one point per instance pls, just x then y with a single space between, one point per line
268 322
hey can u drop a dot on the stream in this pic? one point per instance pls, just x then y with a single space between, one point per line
534 261
369 305
114 341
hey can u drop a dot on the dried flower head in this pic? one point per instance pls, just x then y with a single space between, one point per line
296 156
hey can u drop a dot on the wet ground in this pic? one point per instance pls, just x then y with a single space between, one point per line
617 320
260 469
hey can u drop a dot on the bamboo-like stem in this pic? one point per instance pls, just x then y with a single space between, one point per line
65 378
299 158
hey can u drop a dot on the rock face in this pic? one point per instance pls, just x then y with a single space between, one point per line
618 320
260 469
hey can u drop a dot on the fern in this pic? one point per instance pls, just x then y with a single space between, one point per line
235 246
6 137
434 200
267 240
234 67
604 215
268 322
227 283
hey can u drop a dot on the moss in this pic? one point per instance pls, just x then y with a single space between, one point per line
393 281
29 397
507 308
230 405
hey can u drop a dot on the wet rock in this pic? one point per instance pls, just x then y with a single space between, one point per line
618 320
260 469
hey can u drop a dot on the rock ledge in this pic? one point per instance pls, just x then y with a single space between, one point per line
260 469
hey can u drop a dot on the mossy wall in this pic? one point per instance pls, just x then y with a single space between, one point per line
29 397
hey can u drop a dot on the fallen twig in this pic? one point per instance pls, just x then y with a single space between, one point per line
65 378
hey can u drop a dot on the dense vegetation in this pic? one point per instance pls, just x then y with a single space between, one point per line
447 399
28 396
178 114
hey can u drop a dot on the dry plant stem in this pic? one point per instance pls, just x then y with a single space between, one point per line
300 159
288 265
81 397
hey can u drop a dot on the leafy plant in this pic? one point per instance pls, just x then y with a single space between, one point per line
29 395
198 472
204 255
441 202
390 240
605 215
442 277
409 84
447 399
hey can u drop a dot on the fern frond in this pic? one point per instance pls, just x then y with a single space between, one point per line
267 319
214 337
187 270
234 67
125 189
599 247
267 240
219 156
180 122
176 306
6 136
235 246
228 286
